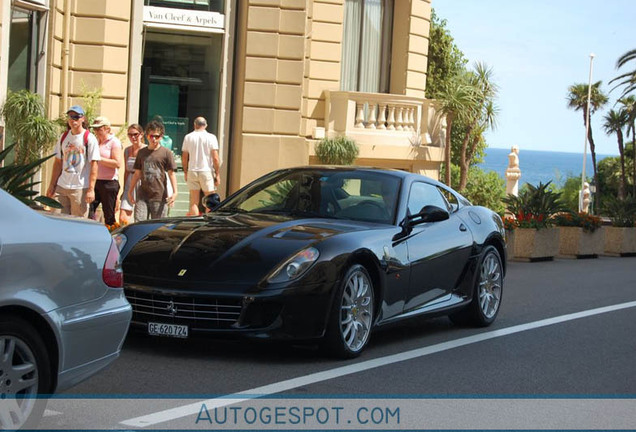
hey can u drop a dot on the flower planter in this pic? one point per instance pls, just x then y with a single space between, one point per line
620 241
575 242
529 244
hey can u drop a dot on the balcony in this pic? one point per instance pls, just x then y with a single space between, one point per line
391 130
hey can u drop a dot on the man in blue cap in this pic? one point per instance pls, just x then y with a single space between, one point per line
75 167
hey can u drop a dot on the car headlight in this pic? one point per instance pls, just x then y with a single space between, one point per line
120 240
295 266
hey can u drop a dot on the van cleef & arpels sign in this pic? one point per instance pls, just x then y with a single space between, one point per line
201 20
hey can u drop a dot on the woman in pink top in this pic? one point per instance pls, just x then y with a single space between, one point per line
107 185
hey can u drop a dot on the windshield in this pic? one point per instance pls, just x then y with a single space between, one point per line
357 195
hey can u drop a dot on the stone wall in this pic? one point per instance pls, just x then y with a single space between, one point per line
99 38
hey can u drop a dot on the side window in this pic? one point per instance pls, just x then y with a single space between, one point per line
423 194
453 204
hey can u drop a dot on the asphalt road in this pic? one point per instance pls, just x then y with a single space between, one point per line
522 354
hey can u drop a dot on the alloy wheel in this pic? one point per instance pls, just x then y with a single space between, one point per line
18 382
490 285
356 313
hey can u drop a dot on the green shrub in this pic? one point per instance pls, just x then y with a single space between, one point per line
337 151
622 212
484 188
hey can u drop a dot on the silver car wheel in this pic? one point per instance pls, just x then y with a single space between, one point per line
18 377
356 313
490 285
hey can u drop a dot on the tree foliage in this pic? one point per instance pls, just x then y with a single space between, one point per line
577 100
484 188
626 80
445 59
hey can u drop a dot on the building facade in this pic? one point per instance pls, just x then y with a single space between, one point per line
271 76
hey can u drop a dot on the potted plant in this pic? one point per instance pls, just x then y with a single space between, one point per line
580 235
28 127
620 238
533 237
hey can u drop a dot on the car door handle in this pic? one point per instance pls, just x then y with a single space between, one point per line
462 227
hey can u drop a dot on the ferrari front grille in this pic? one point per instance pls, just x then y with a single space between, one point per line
197 312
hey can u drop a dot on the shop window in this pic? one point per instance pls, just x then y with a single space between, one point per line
202 5
366 45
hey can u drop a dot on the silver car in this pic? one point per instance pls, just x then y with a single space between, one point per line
63 313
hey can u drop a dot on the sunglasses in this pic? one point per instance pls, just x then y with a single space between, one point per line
155 136
133 135
75 117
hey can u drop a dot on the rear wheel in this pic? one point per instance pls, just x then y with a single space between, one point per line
24 373
351 316
488 290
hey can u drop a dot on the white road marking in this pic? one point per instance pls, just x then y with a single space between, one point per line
51 413
194 408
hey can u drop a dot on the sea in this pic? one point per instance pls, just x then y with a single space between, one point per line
540 166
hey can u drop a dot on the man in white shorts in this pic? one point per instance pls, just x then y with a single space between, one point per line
200 157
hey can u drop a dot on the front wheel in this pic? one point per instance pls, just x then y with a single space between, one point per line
351 317
24 373
487 293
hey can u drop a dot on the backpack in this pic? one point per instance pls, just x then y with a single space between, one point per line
65 134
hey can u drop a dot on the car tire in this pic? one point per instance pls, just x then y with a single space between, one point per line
23 356
351 316
487 292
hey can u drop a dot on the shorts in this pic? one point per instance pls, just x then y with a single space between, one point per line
201 180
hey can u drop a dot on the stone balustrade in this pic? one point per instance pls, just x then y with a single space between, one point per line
371 117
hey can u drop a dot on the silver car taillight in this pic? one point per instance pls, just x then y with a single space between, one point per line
113 275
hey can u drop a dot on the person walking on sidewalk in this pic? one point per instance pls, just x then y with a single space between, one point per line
151 165
107 185
136 138
75 167
200 157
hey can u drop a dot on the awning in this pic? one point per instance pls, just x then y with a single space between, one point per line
38 5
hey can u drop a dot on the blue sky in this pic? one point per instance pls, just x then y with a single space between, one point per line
536 50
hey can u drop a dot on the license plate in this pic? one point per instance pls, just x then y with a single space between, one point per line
171 330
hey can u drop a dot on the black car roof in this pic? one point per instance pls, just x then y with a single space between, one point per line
395 172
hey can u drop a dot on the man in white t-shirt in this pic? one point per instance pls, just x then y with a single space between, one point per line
200 157
75 167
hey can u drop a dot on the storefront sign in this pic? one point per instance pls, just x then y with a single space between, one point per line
201 20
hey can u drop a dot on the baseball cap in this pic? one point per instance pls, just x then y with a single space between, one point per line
76 108
100 121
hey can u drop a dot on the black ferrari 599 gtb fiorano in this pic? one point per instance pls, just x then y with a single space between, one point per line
317 253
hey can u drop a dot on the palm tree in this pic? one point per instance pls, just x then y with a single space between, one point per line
629 104
481 115
615 121
627 79
577 100
455 99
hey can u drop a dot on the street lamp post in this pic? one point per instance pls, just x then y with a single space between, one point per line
587 131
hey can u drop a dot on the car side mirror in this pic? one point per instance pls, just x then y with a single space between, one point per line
212 201
429 213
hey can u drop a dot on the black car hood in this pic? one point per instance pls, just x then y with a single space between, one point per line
231 249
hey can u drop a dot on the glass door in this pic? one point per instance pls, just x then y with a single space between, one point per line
181 81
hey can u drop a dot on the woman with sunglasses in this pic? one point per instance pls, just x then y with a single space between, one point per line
136 138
